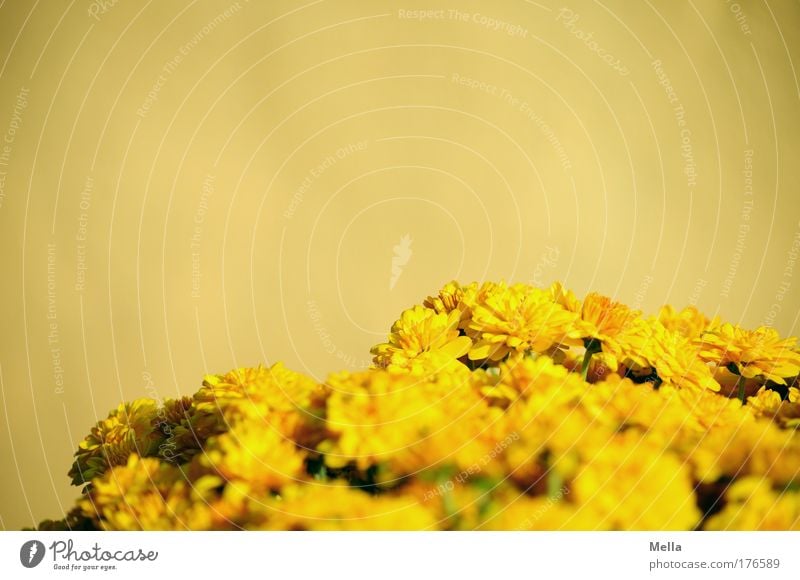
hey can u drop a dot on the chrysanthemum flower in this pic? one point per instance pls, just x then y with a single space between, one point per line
603 319
748 447
337 507
540 513
402 423
277 386
454 297
633 485
128 429
423 340
647 344
146 494
477 415
752 504
518 318
757 353
564 297
767 403
689 322
288 401
254 454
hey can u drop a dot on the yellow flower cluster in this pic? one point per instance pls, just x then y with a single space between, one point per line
491 406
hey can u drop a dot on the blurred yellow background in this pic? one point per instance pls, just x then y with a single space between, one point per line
191 187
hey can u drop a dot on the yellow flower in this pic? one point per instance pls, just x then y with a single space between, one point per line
565 298
747 447
633 485
175 411
278 387
336 507
757 353
603 319
765 402
146 494
689 322
768 404
453 503
286 400
454 297
647 344
403 423
540 381
128 429
489 407
422 340
253 454
752 504
518 318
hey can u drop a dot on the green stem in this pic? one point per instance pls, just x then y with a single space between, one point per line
740 384
555 484
592 346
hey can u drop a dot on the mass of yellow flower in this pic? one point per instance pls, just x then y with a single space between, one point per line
489 407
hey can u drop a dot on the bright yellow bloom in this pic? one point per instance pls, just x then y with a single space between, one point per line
403 423
768 404
689 322
454 297
648 344
146 494
336 507
603 319
128 429
752 504
757 353
286 400
254 454
518 318
423 340
565 298
538 513
490 406
748 447
632 485
278 387
765 402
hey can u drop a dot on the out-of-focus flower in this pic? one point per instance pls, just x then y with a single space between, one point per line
146 494
337 507
254 454
633 485
403 423
752 504
767 403
747 447
689 322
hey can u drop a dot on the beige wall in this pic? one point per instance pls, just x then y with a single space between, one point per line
186 189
